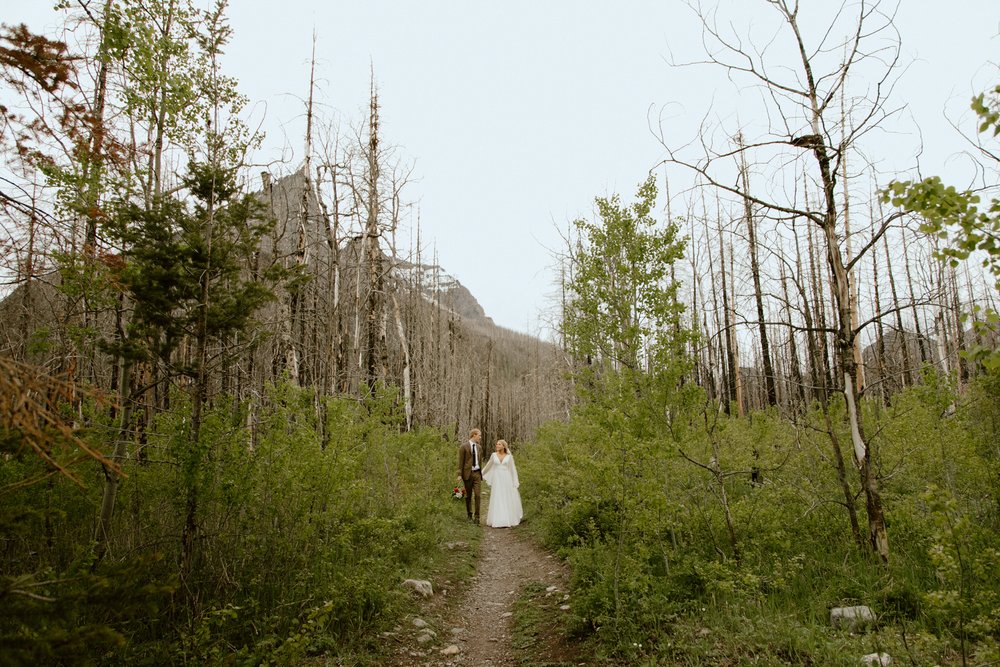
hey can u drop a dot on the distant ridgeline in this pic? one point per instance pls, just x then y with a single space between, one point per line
346 319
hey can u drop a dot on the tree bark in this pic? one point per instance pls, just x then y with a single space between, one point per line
728 331
112 479
877 534
769 380
793 352
735 351
374 316
901 337
879 333
921 341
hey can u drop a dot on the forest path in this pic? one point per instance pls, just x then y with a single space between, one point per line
481 625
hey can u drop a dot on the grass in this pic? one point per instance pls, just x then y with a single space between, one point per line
754 635
448 570
541 634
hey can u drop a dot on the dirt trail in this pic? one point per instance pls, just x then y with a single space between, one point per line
481 625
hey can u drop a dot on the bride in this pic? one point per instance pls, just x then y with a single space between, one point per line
505 501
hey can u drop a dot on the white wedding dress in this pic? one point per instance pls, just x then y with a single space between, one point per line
505 501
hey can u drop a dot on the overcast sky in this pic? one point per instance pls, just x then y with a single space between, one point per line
516 114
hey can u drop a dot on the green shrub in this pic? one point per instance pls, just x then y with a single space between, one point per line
637 510
305 530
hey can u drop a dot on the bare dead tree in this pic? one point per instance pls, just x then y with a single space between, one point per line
734 340
769 379
401 329
904 347
375 361
880 330
806 129
796 379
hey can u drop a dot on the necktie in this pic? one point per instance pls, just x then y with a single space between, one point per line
475 456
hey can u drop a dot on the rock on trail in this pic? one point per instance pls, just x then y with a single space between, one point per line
479 631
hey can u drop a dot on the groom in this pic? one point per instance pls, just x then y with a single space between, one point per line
470 461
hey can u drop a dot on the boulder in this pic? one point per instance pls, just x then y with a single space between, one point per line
420 586
419 623
451 650
881 659
852 618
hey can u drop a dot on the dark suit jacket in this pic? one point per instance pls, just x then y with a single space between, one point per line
465 459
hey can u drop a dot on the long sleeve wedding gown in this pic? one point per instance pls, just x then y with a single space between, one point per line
505 501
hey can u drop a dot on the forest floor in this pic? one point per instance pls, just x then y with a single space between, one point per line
512 610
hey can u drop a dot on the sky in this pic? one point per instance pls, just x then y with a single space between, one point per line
515 115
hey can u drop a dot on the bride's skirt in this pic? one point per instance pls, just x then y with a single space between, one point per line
505 504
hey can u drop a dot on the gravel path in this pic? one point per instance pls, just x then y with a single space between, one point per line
479 632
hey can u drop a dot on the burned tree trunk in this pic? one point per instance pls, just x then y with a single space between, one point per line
374 319
730 355
900 337
845 346
769 381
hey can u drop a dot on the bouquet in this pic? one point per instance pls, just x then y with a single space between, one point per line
458 493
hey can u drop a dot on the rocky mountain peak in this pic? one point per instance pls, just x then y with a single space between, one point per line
441 289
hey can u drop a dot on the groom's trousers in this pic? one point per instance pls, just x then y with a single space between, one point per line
473 487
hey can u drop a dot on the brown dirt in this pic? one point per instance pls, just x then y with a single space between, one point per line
481 624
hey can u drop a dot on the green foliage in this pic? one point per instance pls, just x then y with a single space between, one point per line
303 545
961 534
982 419
965 560
155 41
955 216
168 53
174 251
622 309
55 618
956 510
606 510
655 574
988 110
